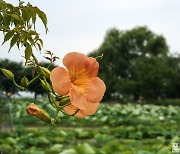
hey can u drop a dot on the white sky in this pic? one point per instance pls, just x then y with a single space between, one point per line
80 25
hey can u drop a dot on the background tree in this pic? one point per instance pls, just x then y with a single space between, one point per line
153 78
126 51
173 90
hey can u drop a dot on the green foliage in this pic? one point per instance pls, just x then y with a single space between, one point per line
153 78
18 24
28 51
107 140
136 66
113 129
128 114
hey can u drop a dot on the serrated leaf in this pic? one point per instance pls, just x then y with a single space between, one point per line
18 43
33 16
21 3
39 46
43 17
41 41
7 19
31 32
26 14
5 27
31 40
8 36
28 51
17 17
13 41
10 6
1 18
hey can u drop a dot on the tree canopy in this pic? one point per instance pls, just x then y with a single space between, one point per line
136 65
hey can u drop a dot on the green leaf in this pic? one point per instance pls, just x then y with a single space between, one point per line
41 41
11 140
31 32
4 27
28 51
31 40
8 36
84 148
17 17
33 15
26 14
69 151
21 3
39 46
56 148
1 18
10 6
43 17
13 41
7 19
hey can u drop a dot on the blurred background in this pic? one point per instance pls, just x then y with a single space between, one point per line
140 112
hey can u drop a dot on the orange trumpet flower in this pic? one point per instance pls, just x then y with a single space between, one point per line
80 82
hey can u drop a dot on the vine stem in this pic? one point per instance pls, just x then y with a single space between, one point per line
18 86
36 61
34 79
56 117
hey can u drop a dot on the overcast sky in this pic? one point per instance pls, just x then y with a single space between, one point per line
80 25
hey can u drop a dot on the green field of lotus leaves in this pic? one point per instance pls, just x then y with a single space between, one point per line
114 129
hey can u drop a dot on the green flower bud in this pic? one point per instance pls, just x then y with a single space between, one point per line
8 73
24 82
45 85
51 98
45 72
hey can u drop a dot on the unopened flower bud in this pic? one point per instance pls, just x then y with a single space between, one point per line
45 72
8 73
24 82
39 113
45 85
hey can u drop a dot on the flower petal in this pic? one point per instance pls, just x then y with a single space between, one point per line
79 114
33 109
91 109
95 89
75 61
93 67
60 80
70 109
78 98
